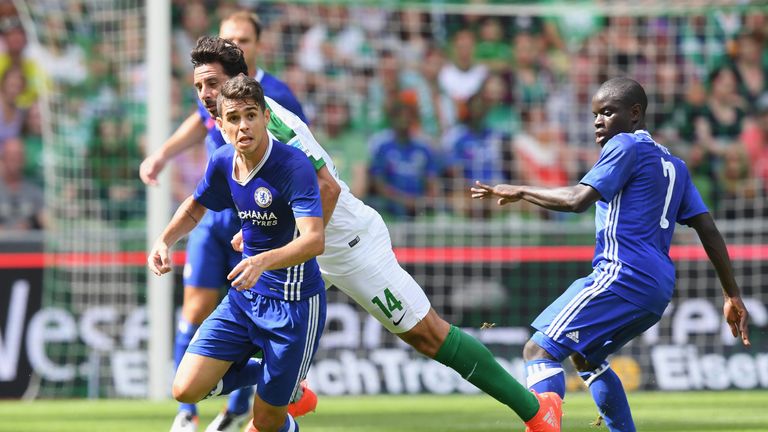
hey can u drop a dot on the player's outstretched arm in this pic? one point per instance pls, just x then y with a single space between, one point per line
190 133
184 220
734 310
309 244
575 199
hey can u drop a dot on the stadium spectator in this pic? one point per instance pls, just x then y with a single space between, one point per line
403 168
32 135
755 141
346 143
717 126
749 66
473 151
62 59
11 116
436 109
15 55
334 44
462 77
491 49
195 22
502 115
383 90
532 79
739 186
114 158
541 156
22 206
568 105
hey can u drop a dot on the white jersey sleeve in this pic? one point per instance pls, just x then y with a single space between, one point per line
351 218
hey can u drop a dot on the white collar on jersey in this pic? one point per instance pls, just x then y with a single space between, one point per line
259 74
642 132
255 169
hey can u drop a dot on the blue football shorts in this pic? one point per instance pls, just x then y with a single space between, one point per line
287 332
593 323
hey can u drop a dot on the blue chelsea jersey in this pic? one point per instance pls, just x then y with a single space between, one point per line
282 188
224 221
645 190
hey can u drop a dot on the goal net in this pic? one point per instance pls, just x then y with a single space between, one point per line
92 320
515 108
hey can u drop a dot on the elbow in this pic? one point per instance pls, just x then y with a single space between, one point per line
579 206
332 190
317 245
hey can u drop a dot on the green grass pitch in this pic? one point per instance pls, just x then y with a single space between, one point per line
732 411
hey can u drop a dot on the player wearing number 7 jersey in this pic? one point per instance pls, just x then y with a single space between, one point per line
641 191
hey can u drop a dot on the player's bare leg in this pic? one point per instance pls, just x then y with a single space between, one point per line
270 418
428 335
196 376
198 303
447 344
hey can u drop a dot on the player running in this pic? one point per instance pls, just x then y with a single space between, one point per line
209 254
359 260
276 303
641 191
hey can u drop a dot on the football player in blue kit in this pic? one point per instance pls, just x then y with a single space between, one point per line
276 303
641 191
209 253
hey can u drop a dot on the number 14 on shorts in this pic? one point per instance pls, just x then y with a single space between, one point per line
392 305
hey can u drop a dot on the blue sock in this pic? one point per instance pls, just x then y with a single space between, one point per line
240 400
544 375
184 333
290 425
610 398
238 377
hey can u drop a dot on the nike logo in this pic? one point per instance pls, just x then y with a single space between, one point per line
399 320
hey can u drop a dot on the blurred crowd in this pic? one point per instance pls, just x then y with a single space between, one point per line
414 104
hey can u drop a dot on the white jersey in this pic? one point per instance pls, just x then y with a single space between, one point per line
351 219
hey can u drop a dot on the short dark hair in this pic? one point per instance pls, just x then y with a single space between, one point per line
627 91
251 17
211 49
241 87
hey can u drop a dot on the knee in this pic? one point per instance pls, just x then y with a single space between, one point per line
532 351
580 363
184 394
268 422
428 335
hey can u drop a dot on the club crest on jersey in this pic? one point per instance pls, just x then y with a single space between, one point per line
263 197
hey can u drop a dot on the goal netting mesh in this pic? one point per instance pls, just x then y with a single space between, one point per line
352 66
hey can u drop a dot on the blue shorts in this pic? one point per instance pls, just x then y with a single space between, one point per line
592 323
287 332
210 256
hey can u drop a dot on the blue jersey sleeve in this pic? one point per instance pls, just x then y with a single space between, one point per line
213 190
692 204
202 112
280 92
614 168
302 190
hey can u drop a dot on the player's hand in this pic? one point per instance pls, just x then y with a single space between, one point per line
248 273
506 193
158 261
237 241
150 168
737 317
